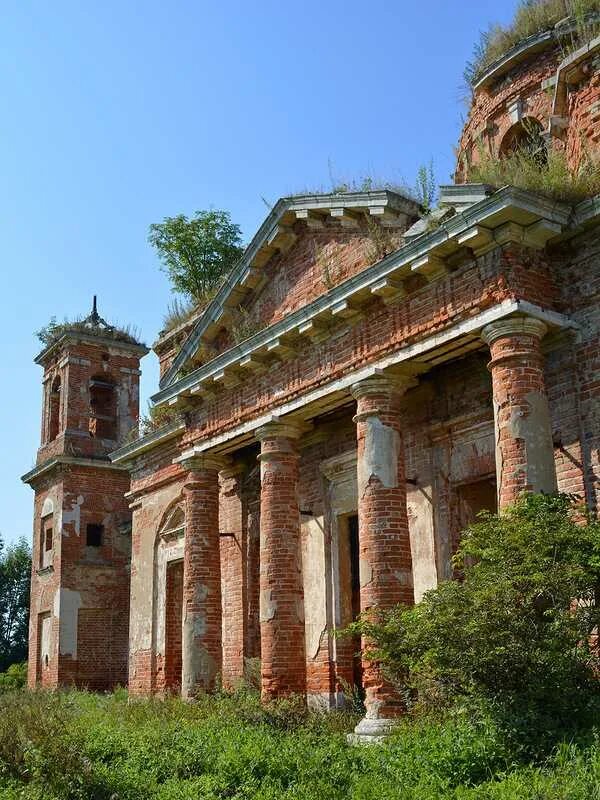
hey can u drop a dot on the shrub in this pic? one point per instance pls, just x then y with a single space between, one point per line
15 677
509 634
553 178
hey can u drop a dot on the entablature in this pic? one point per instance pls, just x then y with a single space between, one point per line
508 216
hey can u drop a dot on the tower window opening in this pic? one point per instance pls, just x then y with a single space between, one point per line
46 543
103 412
525 137
94 535
54 408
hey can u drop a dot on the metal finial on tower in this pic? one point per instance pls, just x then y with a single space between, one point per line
94 317
94 320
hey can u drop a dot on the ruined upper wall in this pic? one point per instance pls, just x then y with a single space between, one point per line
538 83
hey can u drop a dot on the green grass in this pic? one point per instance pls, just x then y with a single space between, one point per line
78 745
531 17
555 179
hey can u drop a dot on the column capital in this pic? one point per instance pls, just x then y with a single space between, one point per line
202 462
281 428
396 381
513 326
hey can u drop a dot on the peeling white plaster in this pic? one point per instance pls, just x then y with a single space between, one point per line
268 606
72 516
66 606
380 455
365 572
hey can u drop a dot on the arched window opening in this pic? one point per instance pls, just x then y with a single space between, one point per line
525 137
54 410
46 551
103 408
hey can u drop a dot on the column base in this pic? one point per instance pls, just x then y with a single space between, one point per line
371 731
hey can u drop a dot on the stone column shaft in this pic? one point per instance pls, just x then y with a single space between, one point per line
283 664
201 634
384 542
524 449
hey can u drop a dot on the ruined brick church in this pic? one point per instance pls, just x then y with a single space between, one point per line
402 373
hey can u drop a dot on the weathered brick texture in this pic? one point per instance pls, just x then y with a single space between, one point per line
281 591
384 541
202 631
524 449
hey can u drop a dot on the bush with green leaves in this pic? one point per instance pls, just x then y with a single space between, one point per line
197 253
517 631
15 677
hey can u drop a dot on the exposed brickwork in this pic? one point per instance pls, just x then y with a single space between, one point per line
281 595
524 449
202 642
493 114
384 543
233 578
80 584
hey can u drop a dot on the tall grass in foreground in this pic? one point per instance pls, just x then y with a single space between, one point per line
75 745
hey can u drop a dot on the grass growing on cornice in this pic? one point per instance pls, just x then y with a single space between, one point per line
553 179
531 17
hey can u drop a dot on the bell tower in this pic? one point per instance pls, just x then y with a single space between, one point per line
79 616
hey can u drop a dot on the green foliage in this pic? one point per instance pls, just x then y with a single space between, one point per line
531 17
76 746
197 253
15 575
158 417
15 677
552 178
52 332
509 634
426 187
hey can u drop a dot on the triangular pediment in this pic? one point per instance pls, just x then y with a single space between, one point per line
306 245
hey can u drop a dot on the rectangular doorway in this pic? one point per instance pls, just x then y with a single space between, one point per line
173 625
349 666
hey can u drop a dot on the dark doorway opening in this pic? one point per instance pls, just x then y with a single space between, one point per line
173 623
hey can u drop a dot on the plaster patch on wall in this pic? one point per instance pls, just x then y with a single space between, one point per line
422 540
314 607
536 431
365 571
380 455
66 607
268 606
72 516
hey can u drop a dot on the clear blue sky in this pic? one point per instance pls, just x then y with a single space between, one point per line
116 114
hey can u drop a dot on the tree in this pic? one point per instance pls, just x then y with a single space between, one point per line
196 253
15 576
519 629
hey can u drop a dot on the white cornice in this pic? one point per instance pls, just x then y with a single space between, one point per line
509 215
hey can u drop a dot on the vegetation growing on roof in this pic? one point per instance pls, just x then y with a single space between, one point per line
197 253
179 311
53 331
531 17
550 176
